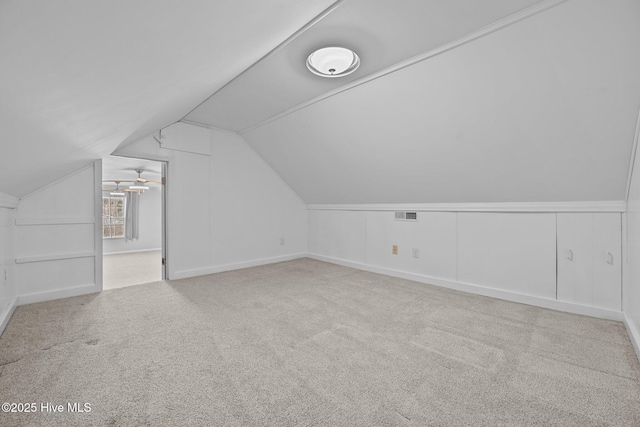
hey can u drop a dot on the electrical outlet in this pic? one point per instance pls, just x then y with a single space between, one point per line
282 240
416 253
394 250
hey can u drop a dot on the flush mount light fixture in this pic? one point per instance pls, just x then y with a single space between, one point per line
333 62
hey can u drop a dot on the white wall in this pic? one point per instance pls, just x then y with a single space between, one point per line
226 208
509 255
58 247
7 270
434 236
631 278
150 236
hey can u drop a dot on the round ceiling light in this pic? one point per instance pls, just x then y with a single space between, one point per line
333 62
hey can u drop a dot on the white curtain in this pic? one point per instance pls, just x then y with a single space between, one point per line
131 216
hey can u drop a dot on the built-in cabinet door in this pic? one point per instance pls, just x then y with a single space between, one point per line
513 252
607 257
575 260
589 269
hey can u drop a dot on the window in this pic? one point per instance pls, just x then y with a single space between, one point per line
113 209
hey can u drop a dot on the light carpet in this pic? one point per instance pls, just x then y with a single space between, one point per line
314 344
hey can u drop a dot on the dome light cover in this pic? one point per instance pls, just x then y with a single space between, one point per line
333 62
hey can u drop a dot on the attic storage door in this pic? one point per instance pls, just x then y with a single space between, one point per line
607 260
589 269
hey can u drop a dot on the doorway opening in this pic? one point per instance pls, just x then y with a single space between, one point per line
133 221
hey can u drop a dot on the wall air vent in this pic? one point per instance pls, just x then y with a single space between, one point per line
406 216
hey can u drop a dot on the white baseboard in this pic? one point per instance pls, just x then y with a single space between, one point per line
480 290
634 334
183 274
57 294
132 252
6 315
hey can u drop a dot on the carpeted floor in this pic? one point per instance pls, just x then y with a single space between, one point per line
121 270
309 343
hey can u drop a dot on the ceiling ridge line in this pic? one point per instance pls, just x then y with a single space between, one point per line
475 35
273 51
206 126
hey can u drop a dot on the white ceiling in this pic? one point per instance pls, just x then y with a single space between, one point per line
81 77
381 32
541 110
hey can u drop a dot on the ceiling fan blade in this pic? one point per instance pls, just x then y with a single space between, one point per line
153 182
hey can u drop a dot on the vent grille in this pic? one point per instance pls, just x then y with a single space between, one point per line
406 216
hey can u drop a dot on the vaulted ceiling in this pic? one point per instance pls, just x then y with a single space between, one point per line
382 32
81 77
544 109
455 100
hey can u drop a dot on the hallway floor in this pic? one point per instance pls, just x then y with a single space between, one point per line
120 270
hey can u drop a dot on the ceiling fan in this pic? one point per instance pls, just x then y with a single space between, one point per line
142 180
138 185
119 191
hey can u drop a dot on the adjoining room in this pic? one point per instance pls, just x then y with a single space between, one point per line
132 227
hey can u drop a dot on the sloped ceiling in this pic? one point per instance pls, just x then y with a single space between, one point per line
382 32
542 110
81 77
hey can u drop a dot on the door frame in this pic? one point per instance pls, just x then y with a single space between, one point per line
165 235
164 164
